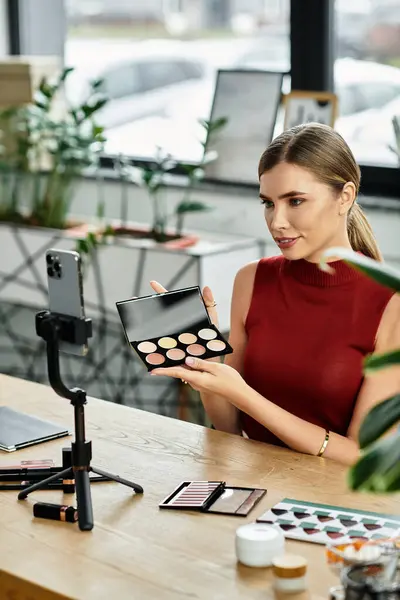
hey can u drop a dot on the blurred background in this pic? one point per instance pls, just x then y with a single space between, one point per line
112 162
158 57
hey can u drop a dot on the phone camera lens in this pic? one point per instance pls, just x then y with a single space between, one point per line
49 259
50 272
57 266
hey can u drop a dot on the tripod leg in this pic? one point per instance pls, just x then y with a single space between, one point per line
42 485
135 486
83 500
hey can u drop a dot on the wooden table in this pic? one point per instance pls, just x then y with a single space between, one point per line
136 550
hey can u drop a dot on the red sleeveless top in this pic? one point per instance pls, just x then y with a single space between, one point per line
308 332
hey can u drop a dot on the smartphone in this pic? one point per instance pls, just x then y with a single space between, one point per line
65 287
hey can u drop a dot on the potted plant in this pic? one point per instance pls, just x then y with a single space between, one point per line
152 177
378 470
44 155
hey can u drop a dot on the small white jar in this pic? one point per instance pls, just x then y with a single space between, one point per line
258 543
290 573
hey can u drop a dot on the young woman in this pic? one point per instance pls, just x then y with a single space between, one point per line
300 334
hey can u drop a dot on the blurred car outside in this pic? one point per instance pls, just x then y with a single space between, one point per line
138 79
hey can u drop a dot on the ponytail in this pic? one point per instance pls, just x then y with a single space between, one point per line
360 234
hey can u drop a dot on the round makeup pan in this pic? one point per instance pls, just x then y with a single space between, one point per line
147 347
196 350
155 359
167 343
187 338
216 345
207 334
176 354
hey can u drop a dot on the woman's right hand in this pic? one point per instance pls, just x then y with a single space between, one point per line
208 300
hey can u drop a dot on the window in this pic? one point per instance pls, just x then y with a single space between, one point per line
376 95
367 77
121 81
158 74
159 59
350 102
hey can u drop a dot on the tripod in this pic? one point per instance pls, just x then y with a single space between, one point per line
52 328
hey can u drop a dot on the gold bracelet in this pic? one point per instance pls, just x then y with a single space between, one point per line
325 443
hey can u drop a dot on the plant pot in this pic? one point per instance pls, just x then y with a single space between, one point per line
139 231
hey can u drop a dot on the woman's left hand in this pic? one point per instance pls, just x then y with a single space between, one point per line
206 376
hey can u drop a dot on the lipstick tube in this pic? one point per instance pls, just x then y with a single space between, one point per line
56 512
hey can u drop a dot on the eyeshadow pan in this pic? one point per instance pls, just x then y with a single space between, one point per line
216 345
163 331
147 347
167 342
155 359
176 354
230 500
207 334
187 338
196 350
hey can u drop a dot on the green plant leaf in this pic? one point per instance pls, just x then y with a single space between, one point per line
374 362
97 130
41 105
74 115
192 206
383 274
188 168
212 126
46 89
381 418
65 73
82 247
96 83
109 230
91 237
218 123
88 109
10 112
147 175
378 470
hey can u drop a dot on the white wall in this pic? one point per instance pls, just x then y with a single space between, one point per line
234 212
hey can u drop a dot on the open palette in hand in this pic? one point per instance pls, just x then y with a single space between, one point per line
164 329
322 524
213 497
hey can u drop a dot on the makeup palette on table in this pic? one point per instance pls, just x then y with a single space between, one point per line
164 329
213 497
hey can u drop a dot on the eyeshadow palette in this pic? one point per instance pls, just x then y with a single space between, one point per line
213 497
322 523
164 329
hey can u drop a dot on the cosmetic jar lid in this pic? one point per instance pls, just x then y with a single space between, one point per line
289 566
258 543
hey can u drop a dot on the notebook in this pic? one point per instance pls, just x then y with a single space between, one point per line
18 430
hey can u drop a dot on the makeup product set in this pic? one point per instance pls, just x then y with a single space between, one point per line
213 497
164 329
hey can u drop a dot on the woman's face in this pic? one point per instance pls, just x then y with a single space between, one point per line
304 216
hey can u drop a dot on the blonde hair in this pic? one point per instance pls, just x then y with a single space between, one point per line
360 233
324 152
